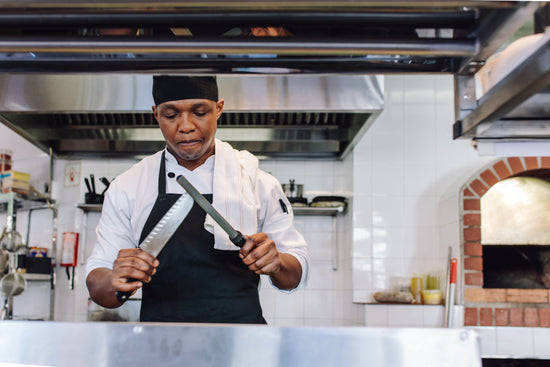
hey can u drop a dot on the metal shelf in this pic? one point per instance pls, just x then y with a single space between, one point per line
90 207
37 276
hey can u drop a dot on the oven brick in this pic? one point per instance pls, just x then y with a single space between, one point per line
473 263
530 317
516 317
467 192
486 316
470 316
478 187
472 234
531 163
489 177
472 219
473 249
527 295
473 279
544 317
501 316
471 204
545 162
515 165
502 170
484 295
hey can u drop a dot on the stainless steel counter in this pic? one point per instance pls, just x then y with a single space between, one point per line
44 343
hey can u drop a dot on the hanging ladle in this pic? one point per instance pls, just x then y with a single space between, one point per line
12 284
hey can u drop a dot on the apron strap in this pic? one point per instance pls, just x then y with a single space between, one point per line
162 177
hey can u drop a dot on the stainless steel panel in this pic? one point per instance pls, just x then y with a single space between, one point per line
141 344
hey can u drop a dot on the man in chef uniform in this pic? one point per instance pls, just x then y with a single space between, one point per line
199 276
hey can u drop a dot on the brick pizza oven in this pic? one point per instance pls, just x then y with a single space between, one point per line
496 306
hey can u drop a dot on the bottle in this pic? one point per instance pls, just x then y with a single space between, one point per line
416 288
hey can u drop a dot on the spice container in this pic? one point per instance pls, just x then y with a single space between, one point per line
416 288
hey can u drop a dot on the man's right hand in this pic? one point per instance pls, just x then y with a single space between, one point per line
134 264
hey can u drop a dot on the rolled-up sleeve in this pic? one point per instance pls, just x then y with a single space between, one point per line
277 221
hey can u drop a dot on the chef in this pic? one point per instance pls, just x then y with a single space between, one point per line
199 276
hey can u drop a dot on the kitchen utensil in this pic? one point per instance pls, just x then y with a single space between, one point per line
87 182
106 183
92 180
12 284
452 286
162 232
293 190
235 236
447 280
3 261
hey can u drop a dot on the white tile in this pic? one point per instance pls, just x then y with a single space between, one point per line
434 316
387 179
513 341
421 242
320 245
376 315
541 346
405 316
362 242
309 322
267 300
393 89
388 242
321 276
318 304
419 89
420 210
362 274
287 322
289 305
387 149
388 210
418 179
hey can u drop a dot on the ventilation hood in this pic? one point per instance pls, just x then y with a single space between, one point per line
284 116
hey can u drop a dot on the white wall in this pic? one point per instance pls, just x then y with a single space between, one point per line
407 175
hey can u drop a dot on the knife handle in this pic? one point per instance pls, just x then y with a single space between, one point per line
124 296
239 240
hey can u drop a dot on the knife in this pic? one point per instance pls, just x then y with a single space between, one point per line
161 233
235 236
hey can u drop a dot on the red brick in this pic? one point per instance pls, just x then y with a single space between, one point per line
478 187
544 317
516 317
486 317
489 177
473 249
527 295
472 234
531 163
472 219
473 279
467 192
502 170
494 295
501 316
545 162
471 204
515 165
530 316
473 263
470 316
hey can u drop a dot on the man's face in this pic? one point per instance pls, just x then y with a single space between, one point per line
189 128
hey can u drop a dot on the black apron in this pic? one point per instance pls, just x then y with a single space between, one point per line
195 282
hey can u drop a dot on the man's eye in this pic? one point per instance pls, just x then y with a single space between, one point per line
170 116
200 113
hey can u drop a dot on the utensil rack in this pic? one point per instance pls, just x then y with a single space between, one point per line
11 203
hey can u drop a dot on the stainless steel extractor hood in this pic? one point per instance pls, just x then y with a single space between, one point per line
286 116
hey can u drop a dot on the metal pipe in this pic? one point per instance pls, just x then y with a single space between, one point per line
433 19
292 46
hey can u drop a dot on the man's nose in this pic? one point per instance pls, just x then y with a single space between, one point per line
185 123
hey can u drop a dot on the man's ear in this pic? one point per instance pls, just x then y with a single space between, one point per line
219 108
155 113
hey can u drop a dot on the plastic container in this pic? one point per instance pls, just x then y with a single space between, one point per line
432 296
416 288
6 154
5 165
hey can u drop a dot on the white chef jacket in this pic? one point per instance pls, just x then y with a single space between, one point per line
131 196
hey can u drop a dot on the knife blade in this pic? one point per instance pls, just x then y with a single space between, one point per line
235 236
162 232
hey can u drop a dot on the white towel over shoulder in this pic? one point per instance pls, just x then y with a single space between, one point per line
233 194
